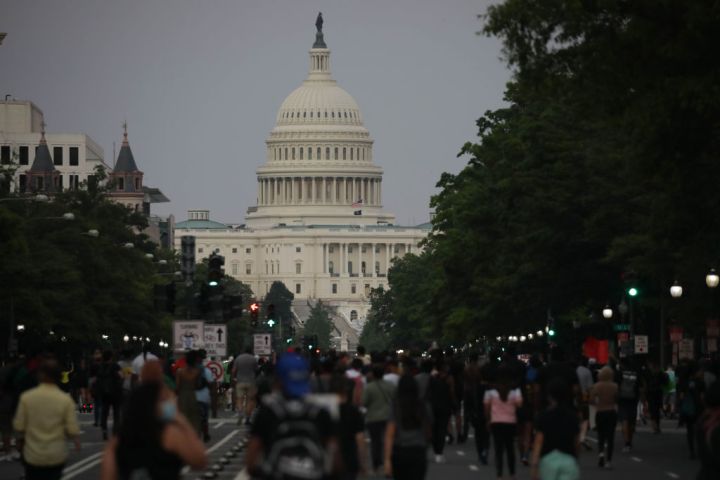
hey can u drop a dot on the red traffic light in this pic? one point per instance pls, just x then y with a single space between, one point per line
254 307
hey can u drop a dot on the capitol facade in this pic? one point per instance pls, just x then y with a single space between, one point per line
319 224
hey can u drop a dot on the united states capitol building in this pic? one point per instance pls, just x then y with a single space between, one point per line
319 224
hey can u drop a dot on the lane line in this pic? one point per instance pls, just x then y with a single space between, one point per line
461 453
80 470
220 424
243 475
474 468
82 462
673 475
637 459
220 443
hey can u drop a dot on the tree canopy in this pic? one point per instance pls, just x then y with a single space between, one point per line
603 163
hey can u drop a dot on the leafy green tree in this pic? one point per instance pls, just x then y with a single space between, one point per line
374 336
319 323
281 298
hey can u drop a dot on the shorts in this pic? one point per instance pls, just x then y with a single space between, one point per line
243 389
627 410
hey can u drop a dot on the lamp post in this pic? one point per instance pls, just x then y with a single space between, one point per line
607 312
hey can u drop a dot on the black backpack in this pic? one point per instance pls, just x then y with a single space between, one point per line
108 380
297 451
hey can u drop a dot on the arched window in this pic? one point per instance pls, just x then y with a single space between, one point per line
286 156
304 114
325 113
336 153
327 153
345 114
293 153
363 153
301 153
377 267
353 315
318 153
292 115
344 153
310 152
362 267
351 153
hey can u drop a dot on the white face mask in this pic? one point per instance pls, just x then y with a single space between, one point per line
168 411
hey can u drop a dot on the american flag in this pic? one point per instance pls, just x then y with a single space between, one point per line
358 203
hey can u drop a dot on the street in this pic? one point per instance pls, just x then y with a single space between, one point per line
654 456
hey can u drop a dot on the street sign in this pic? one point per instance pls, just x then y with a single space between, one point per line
216 369
676 334
262 344
187 335
641 344
215 336
686 349
622 337
621 327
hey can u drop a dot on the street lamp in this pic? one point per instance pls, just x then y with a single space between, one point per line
21 328
126 338
607 312
712 279
676 290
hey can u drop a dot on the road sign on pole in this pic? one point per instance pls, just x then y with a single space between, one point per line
215 336
641 344
262 344
216 369
188 335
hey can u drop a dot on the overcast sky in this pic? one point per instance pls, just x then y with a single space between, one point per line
200 83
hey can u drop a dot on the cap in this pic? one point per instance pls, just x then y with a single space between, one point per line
294 374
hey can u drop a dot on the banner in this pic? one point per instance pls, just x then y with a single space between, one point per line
188 335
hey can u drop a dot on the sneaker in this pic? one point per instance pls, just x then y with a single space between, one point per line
450 439
439 459
601 460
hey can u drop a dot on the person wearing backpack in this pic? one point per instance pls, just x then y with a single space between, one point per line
690 400
628 381
109 387
291 439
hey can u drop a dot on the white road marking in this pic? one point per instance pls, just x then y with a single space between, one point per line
474 468
673 475
461 453
637 459
82 469
220 424
242 475
222 442
591 439
80 463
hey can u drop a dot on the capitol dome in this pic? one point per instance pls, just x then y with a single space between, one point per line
319 164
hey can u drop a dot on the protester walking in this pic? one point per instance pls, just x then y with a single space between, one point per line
628 397
187 379
110 390
377 400
442 401
154 440
557 437
604 396
690 391
243 375
708 435
351 431
474 409
407 434
45 418
585 382
501 404
654 385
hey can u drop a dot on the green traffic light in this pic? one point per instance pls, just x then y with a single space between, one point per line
633 291
213 283
551 333
289 340
271 323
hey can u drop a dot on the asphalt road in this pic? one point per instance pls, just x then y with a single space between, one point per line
663 456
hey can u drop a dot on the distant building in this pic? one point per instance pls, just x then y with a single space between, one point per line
319 224
51 162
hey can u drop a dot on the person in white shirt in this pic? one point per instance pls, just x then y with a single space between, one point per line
139 361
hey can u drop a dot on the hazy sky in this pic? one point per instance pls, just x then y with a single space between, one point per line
200 82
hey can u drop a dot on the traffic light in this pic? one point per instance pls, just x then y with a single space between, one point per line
215 269
632 291
187 260
270 315
254 311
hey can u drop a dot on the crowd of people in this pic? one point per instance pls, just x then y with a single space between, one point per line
308 414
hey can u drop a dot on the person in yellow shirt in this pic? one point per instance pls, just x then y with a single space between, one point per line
44 420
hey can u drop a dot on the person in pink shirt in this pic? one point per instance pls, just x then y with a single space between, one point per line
501 404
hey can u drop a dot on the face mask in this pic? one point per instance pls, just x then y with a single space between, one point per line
168 411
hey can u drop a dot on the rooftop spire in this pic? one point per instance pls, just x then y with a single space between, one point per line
319 40
42 133
125 139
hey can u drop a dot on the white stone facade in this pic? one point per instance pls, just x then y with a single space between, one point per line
318 226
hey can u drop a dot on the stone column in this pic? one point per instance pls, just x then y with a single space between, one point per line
324 190
387 257
342 258
372 272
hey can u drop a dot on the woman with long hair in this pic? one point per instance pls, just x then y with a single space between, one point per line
501 404
154 440
407 433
